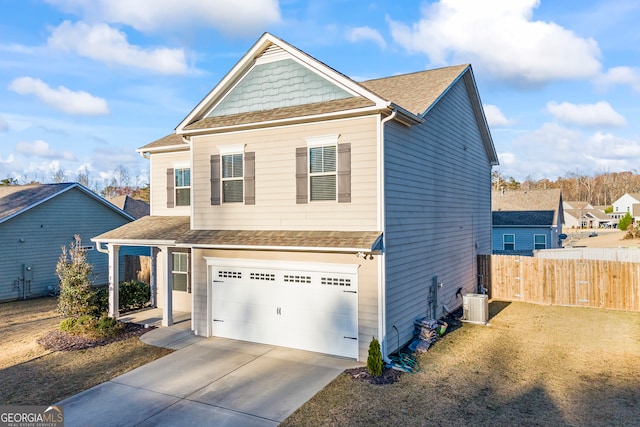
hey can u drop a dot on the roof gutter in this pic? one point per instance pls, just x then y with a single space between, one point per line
382 285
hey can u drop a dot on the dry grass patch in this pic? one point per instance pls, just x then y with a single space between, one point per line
31 375
535 365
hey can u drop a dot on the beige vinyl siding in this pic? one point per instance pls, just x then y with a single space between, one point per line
367 286
436 216
275 180
158 166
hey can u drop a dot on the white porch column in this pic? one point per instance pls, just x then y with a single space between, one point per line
167 288
114 276
153 277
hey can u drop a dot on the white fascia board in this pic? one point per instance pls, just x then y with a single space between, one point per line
248 60
241 66
128 242
281 122
166 148
276 248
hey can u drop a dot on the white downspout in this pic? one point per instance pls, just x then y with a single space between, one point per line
381 224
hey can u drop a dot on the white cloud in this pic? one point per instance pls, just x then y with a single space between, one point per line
42 149
60 98
494 116
357 34
589 115
501 38
10 159
4 126
553 151
239 17
620 76
105 44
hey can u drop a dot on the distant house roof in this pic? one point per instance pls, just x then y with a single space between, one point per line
16 199
529 207
576 205
134 207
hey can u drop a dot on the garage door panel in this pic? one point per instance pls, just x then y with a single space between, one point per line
309 310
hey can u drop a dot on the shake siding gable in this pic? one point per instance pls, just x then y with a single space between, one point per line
438 211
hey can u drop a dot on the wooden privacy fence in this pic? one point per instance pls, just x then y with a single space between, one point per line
137 267
571 282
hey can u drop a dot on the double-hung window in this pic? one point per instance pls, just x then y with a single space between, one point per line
539 241
183 186
180 271
322 172
232 178
509 242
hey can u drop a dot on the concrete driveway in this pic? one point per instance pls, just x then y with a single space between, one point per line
213 381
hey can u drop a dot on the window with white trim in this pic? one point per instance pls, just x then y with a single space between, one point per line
180 271
509 242
232 178
183 187
322 172
539 241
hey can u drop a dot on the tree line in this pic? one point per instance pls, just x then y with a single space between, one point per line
601 189
121 182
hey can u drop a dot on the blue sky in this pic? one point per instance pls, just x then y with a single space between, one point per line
83 83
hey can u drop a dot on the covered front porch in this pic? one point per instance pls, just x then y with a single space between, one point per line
169 270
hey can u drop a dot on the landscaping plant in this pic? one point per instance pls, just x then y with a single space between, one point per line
375 363
77 298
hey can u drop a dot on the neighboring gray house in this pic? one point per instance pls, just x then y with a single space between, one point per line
134 207
36 221
297 207
524 221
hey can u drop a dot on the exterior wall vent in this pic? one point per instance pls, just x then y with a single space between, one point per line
475 308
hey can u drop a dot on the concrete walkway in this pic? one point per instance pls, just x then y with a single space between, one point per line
213 381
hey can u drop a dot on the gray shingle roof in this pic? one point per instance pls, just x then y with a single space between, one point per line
532 201
16 198
528 218
176 230
134 207
415 92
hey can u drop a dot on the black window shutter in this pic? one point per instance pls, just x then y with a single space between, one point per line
301 175
215 179
250 178
344 173
171 194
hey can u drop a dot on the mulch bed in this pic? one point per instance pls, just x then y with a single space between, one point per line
389 376
64 341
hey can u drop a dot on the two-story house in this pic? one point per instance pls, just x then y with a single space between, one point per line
296 207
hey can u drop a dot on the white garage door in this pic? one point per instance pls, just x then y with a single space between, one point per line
306 306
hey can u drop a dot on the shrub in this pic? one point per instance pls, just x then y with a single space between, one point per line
133 295
76 296
107 326
374 361
625 221
101 300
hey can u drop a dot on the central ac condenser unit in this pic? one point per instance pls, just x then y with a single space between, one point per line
475 308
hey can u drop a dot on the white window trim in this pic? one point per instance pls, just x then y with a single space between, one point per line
231 152
231 149
333 173
176 187
316 141
534 240
186 273
510 243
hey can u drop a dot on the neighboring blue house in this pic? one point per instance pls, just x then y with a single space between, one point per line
524 221
36 221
